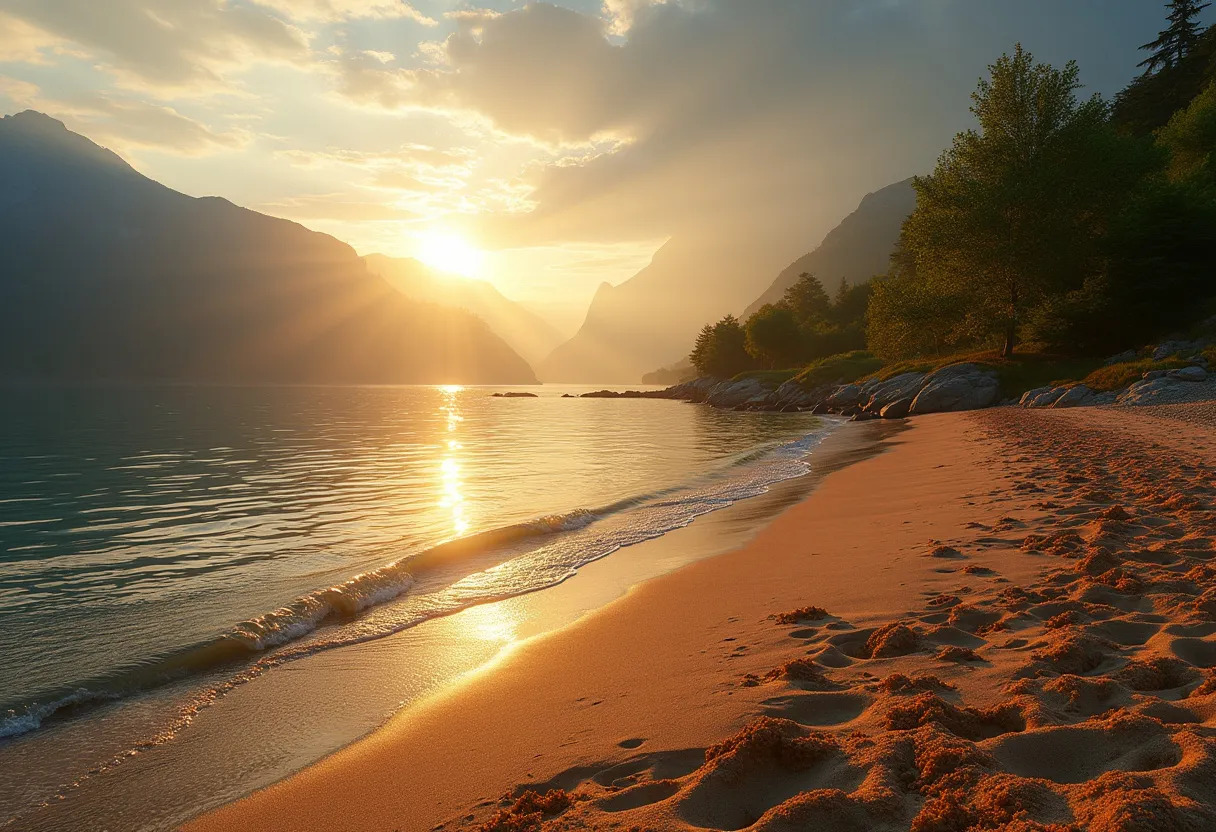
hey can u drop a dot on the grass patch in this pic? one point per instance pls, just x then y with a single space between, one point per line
771 377
839 369
1118 376
1025 370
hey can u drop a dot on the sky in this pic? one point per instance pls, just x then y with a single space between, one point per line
544 147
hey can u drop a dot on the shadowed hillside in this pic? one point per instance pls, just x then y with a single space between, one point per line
856 250
649 320
110 275
525 331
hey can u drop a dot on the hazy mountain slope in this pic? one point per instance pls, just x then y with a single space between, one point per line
528 334
651 319
856 250
105 273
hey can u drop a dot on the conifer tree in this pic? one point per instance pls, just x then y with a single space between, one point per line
1177 39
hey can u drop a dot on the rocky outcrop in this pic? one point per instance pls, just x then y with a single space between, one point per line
957 387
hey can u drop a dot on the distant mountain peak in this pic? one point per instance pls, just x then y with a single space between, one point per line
34 120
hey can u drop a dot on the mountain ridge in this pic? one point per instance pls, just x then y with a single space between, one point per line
109 274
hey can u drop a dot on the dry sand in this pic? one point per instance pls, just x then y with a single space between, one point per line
1004 622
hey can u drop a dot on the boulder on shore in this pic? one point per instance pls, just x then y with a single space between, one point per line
1074 396
957 387
514 396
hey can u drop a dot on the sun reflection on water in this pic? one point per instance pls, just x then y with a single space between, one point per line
450 475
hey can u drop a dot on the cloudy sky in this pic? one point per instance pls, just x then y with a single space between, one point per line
566 141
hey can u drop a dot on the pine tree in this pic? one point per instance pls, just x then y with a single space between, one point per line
1177 39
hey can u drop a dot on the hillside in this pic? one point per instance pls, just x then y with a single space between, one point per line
110 275
526 332
855 250
651 319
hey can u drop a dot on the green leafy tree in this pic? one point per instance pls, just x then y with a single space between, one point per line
1178 39
1013 211
774 337
1190 138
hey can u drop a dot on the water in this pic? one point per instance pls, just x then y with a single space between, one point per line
162 547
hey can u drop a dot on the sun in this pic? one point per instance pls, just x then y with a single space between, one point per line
449 252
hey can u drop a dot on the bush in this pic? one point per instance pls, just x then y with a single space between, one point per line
839 369
1119 376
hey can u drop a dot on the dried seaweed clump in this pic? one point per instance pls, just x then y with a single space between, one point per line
894 639
899 683
969 723
780 740
1157 673
998 801
528 812
1121 802
802 614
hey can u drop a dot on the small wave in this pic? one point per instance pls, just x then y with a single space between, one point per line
637 518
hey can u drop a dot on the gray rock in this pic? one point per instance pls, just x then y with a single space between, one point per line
1099 399
1193 373
1047 398
903 386
1074 396
1146 390
1031 395
1121 358
957 387
897 409
848 395
1168 348
1152 374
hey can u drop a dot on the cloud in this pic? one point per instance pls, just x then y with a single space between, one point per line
166 44
334 10
766 117
127 124
338 207
22 42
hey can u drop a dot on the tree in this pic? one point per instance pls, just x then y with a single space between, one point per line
1013 211
809 303
1190 137
774 337
721 350
1177 40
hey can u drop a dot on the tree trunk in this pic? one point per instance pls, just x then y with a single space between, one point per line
1011 329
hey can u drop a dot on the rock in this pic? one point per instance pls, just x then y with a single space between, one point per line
863 416
1099 399
1030 395
848 395
1192 373
897 410
1074 396
957 387
903 386
1145 390
514 395
1121 358
1048 398
1168 348
732 394
1152 374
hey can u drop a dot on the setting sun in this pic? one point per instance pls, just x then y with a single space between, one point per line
450 252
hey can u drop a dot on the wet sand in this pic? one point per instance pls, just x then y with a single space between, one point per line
1006 621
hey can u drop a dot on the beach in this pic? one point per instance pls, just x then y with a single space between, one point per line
1003 617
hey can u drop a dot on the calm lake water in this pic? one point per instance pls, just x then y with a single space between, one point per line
194 539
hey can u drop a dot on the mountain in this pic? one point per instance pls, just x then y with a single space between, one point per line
526 332
856 250
652 318
106 274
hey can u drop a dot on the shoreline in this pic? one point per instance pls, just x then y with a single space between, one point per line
945 563
272 808
314 720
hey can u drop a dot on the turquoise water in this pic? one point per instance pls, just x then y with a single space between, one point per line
155 537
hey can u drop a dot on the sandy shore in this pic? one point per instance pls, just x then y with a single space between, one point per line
1018 617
